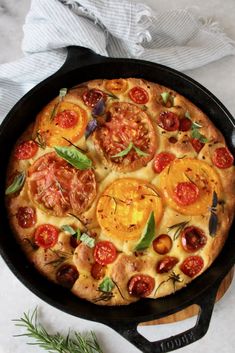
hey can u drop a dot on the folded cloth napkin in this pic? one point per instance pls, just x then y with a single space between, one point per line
176 38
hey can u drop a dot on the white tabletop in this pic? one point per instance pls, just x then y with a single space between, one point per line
219 78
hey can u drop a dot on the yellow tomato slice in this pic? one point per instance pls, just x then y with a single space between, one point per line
116 86
203 177
124 208
55 129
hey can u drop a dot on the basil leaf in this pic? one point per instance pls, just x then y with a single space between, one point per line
139 152
17 184
86 239
165 96
197 135
68 229
106 285
124 152
74 157
148 234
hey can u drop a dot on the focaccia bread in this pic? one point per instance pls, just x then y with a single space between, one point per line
121 189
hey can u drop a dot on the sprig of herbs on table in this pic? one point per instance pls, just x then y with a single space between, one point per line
74 342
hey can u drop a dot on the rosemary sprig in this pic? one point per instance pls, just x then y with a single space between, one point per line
61 257
172 277
40 140
56 343
177 228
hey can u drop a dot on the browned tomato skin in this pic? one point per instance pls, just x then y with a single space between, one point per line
192 266
197 145
185 124
168 121
222 158
193 239
162 244
26 217
93 96
166 264
141 285
97 271
67 275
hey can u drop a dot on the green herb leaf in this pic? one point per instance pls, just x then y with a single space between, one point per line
124 152
74 157
86 239
17 184
106 285
165 96
139 152
147 235
196 133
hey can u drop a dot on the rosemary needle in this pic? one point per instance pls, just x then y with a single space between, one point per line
74 342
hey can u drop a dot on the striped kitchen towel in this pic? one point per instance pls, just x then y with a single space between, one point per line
176 38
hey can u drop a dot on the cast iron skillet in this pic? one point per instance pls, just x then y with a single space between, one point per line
82 65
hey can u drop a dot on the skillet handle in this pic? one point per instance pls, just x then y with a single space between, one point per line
78 57
206 304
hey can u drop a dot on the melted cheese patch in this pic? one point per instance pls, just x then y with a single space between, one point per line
124 208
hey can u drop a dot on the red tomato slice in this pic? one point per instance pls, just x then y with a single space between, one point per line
193 239
97 271
93 96
26 150
46 236
162 160
26 217
185 124
141 285
222 158
66 119
166 264
139 95
186 193
67 275
192 265
169 121
197 145
105 252
162 244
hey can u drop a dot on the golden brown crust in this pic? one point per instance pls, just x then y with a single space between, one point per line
128 189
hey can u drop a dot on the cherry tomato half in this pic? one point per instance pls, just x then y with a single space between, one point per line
193 239
105 252
192 265
185 124
139 95
222 158
168 121
162 160
197 145
66 119
67 275
93 96
166 264
162 244
186 193
26 150
26 217
116 85
46 235
141 285
97 271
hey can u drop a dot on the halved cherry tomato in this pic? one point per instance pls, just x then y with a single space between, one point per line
139 95
197 145
116 85
185 124
141 285
66 119
162 244
222 158
97 271
26 217
166 264
192 265
92 97
67 275
169 121
46 235
105 252
186 193
162 160
193 239
26 150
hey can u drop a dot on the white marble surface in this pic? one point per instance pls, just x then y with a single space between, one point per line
218 77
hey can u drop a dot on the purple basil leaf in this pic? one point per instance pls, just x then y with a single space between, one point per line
98 108
91 126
